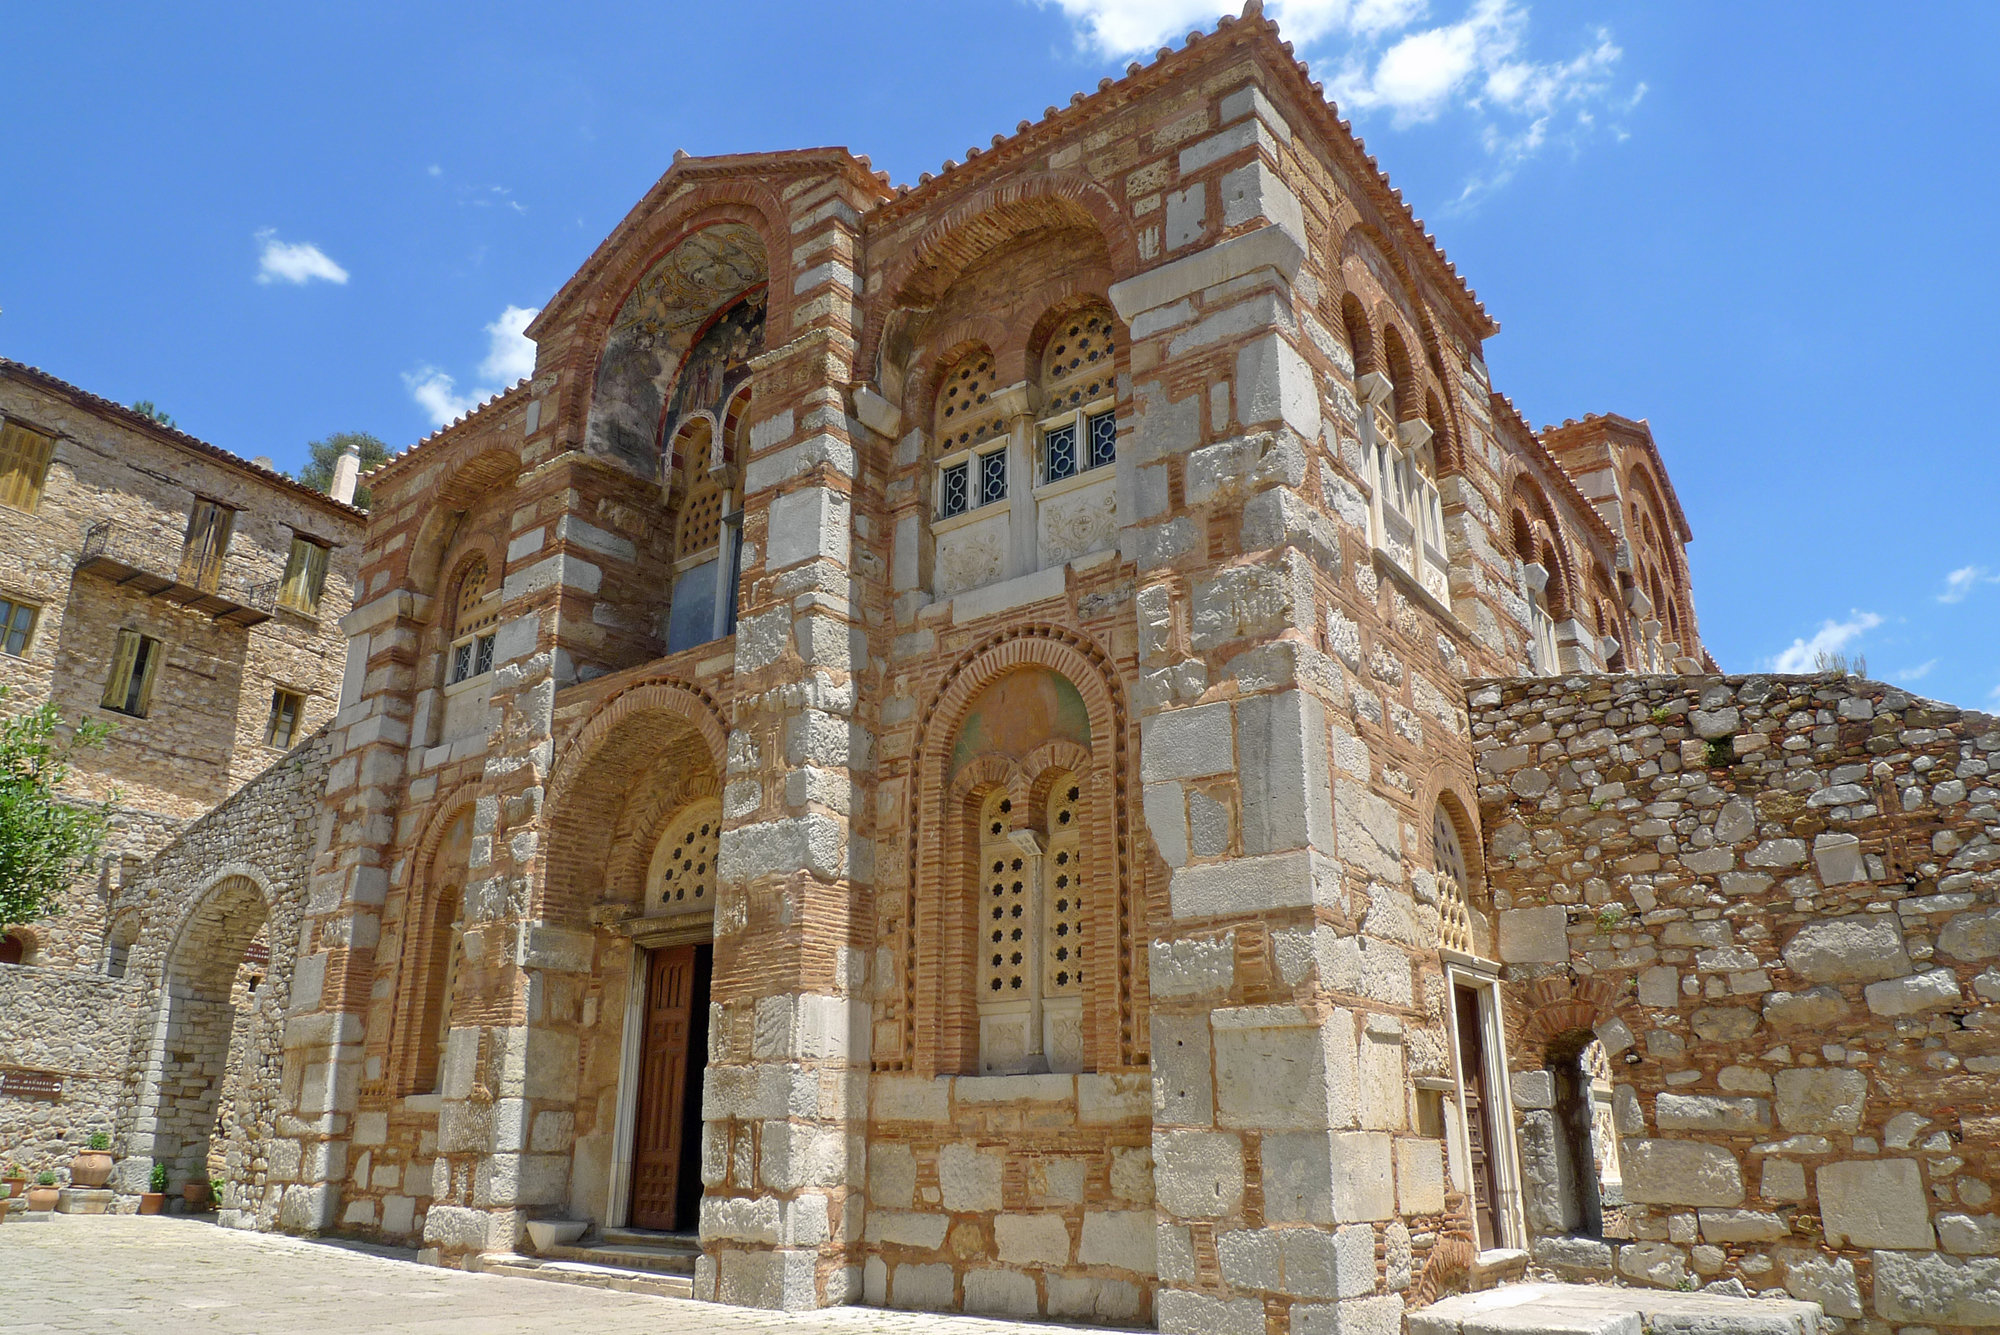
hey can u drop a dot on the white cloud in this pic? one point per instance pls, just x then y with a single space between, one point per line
1382 61
1917 673
435 393
510 356
1832 637
294 262
1963 580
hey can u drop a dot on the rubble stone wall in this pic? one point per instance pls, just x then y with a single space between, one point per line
67 1029
1776 902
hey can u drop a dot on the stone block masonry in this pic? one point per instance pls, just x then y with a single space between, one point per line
1775 901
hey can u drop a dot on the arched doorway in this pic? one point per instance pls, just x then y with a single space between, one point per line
214 1072
636 825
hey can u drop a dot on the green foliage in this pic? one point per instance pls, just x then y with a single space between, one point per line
318 472
147 408
45 842
1720 752
1661 713
100 1140
47 1178
215 1186
158 1180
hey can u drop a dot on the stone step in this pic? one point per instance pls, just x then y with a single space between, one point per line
1594 1309
629 1256
585 1274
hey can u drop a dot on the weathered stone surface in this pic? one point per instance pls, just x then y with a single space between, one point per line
1681 1172
1936 989
1817 1099
1860 949
1875 1203
1917 1286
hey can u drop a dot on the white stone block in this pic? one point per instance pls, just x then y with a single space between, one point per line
1871 1203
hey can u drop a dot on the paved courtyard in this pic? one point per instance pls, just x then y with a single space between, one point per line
109 1275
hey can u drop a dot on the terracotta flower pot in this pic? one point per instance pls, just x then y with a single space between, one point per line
43 1198
152 1202
17 1187
195 1193
90 1168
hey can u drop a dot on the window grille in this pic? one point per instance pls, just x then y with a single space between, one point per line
955 486
1059 444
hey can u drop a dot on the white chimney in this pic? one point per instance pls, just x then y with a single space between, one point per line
346 472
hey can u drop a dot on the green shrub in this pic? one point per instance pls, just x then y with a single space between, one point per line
47 1178
100 1140
159 1177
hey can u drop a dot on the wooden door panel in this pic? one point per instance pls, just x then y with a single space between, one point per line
1478 1117
663 1061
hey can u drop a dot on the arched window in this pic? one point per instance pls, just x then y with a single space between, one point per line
13 949
970 434
1080 429
1031 931
475 607
432 952
1453 885
118 945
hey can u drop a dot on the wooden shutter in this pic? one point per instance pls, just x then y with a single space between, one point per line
151 651
24 465
305 575
120 680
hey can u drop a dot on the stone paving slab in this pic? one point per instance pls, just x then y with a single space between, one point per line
1594 1309
128 1275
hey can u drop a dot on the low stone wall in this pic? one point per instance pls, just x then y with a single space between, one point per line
72 1031
1773 900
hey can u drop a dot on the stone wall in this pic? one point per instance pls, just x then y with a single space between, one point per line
204 1072
71 1027
1776 902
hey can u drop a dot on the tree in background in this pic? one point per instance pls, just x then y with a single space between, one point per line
45 842
147 408
318 472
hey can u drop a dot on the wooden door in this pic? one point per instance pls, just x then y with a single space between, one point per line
663 1064
1478 1116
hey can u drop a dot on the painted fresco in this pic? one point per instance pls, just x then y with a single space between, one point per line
1018 713
719 361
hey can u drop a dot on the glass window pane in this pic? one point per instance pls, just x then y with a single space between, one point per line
461 661
1103 439
992 476
1059 445
482 655
953 492
691 616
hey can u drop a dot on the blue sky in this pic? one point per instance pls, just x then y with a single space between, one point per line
1770 229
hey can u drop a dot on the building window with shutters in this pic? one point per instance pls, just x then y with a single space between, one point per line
209 526
287 707
17 626
24 465
305 575
134 663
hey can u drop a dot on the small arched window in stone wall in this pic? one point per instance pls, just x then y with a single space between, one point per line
432 943
14 949
969 434
1448 860
681 878
1079 427
474 610
708 536
118 943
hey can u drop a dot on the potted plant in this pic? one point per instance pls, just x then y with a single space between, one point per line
43 1195
195 1191
92 1167
15 1180
216 1186
152 1202
5 1193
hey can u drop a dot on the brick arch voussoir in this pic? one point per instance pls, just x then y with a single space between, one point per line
201 927
685 701
1063 187
1559 1006
709 205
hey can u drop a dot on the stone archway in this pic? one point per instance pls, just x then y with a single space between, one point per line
213 1069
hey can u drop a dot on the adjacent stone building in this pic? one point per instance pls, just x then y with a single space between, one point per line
1046 743
192 599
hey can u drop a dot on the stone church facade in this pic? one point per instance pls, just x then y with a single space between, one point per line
1047 743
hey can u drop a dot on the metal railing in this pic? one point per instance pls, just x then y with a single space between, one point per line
158 564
